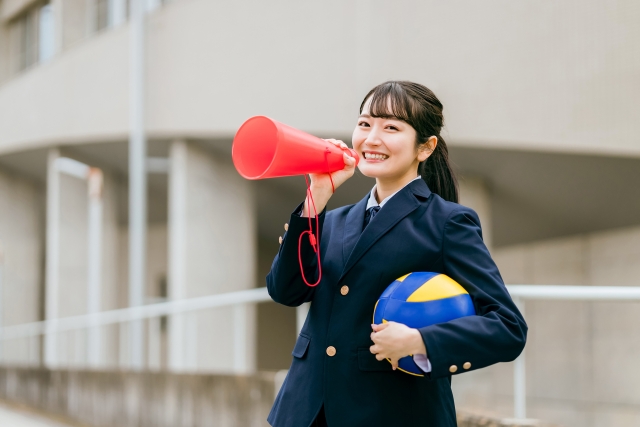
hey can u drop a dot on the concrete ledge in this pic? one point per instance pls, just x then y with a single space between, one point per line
142 399
161 399
471 420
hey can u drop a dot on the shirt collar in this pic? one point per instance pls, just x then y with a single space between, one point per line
372 196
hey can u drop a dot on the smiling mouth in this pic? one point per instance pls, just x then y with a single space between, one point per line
374 156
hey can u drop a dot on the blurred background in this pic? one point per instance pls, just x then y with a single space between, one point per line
134 255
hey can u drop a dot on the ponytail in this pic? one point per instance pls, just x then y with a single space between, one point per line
437 173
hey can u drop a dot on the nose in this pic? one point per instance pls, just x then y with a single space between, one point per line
373 137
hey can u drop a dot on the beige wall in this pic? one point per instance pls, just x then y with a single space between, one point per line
22 246
581 357
475 193
543 75
21 222
76 25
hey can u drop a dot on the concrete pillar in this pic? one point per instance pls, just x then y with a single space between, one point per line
94 262
137 177
475 194
52 278
212 249
177 224
113 279
73 271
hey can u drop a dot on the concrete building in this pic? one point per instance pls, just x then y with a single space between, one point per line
541 105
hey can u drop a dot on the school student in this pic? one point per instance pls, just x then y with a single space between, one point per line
409 222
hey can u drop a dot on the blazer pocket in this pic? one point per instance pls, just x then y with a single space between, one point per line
367 361
301 346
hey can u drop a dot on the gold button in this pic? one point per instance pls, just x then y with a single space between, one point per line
286 227
453 368
344 290
331 351
466 365
280 239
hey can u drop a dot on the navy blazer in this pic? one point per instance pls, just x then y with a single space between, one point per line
415 231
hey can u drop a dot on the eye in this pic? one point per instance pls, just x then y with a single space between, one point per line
363 124
392 127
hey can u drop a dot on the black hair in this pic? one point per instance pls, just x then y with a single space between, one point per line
418 106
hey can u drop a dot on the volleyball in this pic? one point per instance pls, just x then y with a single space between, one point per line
422 299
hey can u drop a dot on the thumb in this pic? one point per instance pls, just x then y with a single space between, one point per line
394 363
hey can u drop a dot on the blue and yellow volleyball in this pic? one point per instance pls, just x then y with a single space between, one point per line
422 299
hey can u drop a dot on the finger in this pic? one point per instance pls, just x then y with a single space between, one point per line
379 357
381 326
349 162
394 364
333 141
375 349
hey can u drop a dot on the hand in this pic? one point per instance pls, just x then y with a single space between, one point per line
394 341
322 181
321 188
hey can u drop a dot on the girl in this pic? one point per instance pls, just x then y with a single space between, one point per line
409 222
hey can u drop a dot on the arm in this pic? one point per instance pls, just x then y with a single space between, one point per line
284 281
498 331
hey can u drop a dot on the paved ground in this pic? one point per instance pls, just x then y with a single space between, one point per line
12 417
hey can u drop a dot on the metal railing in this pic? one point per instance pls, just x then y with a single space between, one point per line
127 316
239 299
521 293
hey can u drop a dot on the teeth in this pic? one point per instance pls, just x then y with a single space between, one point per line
372 156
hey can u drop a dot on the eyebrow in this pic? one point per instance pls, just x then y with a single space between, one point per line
366 116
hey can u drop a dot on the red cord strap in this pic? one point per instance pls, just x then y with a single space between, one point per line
313 240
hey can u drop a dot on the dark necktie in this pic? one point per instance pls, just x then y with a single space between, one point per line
369 214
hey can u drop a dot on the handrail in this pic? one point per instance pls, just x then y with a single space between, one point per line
578 293
135 313
538 292
521 293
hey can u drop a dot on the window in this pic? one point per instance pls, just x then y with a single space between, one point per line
33 36
109 13
46 33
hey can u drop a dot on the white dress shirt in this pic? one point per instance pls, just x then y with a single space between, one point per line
420 359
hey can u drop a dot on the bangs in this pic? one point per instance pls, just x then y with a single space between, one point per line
391 101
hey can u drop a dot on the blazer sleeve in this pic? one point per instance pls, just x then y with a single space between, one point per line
497 333
284 281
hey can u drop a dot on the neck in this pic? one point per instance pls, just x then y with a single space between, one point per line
386 187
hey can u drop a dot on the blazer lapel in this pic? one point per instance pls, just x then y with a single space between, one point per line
400 205
353 227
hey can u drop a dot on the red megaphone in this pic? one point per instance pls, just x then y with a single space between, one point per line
265 148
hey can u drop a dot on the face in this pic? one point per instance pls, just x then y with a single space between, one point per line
387 147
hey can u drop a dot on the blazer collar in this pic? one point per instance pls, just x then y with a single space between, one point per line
356 242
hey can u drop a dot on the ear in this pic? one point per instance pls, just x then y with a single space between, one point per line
426 149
